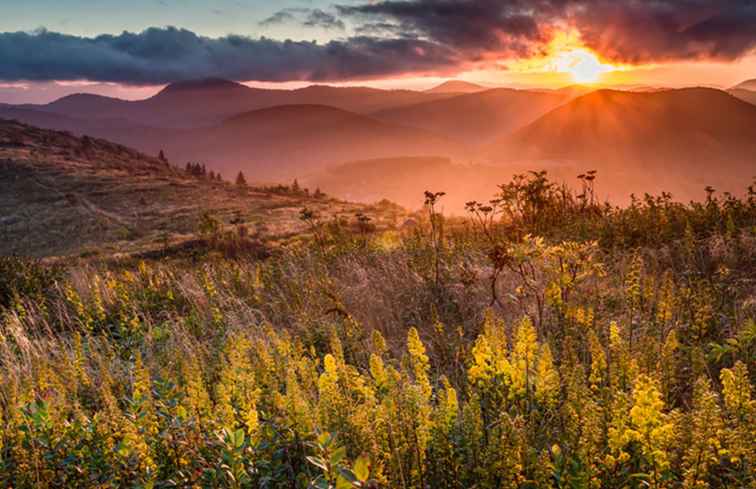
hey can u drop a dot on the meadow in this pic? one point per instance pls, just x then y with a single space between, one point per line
544 340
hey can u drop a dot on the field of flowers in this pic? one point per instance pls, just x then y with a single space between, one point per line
544 341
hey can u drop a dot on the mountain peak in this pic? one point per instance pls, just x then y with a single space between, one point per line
202 84
456 86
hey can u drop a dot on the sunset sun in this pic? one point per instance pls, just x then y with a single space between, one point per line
581 64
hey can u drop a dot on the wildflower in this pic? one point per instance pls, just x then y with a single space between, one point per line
546 378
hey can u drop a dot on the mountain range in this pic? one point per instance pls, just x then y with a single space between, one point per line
278 135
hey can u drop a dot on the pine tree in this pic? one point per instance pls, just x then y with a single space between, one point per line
241 181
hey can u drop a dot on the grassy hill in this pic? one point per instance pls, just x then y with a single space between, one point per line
64 195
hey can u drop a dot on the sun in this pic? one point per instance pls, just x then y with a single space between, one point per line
566 56
581 64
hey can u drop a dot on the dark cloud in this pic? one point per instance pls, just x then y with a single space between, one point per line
163 55
664 30
627 30
280 17
305 17
319 18
501 27
393 37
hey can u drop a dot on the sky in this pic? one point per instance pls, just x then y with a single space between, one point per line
50 48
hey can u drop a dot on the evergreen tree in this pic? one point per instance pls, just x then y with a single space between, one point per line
240 180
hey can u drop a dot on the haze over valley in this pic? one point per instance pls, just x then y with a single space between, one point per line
649 139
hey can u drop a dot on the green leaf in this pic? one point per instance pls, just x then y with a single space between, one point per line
342 483
324 439
338 455
361 468
348 475
239 438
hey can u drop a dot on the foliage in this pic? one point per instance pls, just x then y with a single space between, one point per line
617 352
22 277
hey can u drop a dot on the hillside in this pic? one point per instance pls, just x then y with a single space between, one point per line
63 195
647 141
476 118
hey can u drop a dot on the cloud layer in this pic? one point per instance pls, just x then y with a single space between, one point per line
392 37
163 55
622 30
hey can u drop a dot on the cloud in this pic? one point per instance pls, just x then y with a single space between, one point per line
305 17
667 30
280 17
623 30
319 18
164 55
392 38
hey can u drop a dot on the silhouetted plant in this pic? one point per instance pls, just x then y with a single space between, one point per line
241 180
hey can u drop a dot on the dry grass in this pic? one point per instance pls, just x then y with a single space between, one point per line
61 195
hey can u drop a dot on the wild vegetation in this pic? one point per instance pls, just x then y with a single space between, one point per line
546 340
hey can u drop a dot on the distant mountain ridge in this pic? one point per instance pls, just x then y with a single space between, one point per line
476 118
286 141
457 86
675 136
203 103
746 85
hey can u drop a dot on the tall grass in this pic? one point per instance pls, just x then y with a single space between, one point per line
545 341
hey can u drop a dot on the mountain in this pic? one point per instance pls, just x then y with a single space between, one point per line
207 102
476 118
456 86
668 140
746 85
744 95
570 91
290 141
61 195
282 141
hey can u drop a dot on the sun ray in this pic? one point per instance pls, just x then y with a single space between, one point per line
567 55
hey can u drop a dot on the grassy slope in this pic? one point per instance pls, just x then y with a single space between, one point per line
62 195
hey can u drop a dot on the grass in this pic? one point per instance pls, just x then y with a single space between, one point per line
543 341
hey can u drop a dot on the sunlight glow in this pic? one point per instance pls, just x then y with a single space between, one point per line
566 55
581 64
